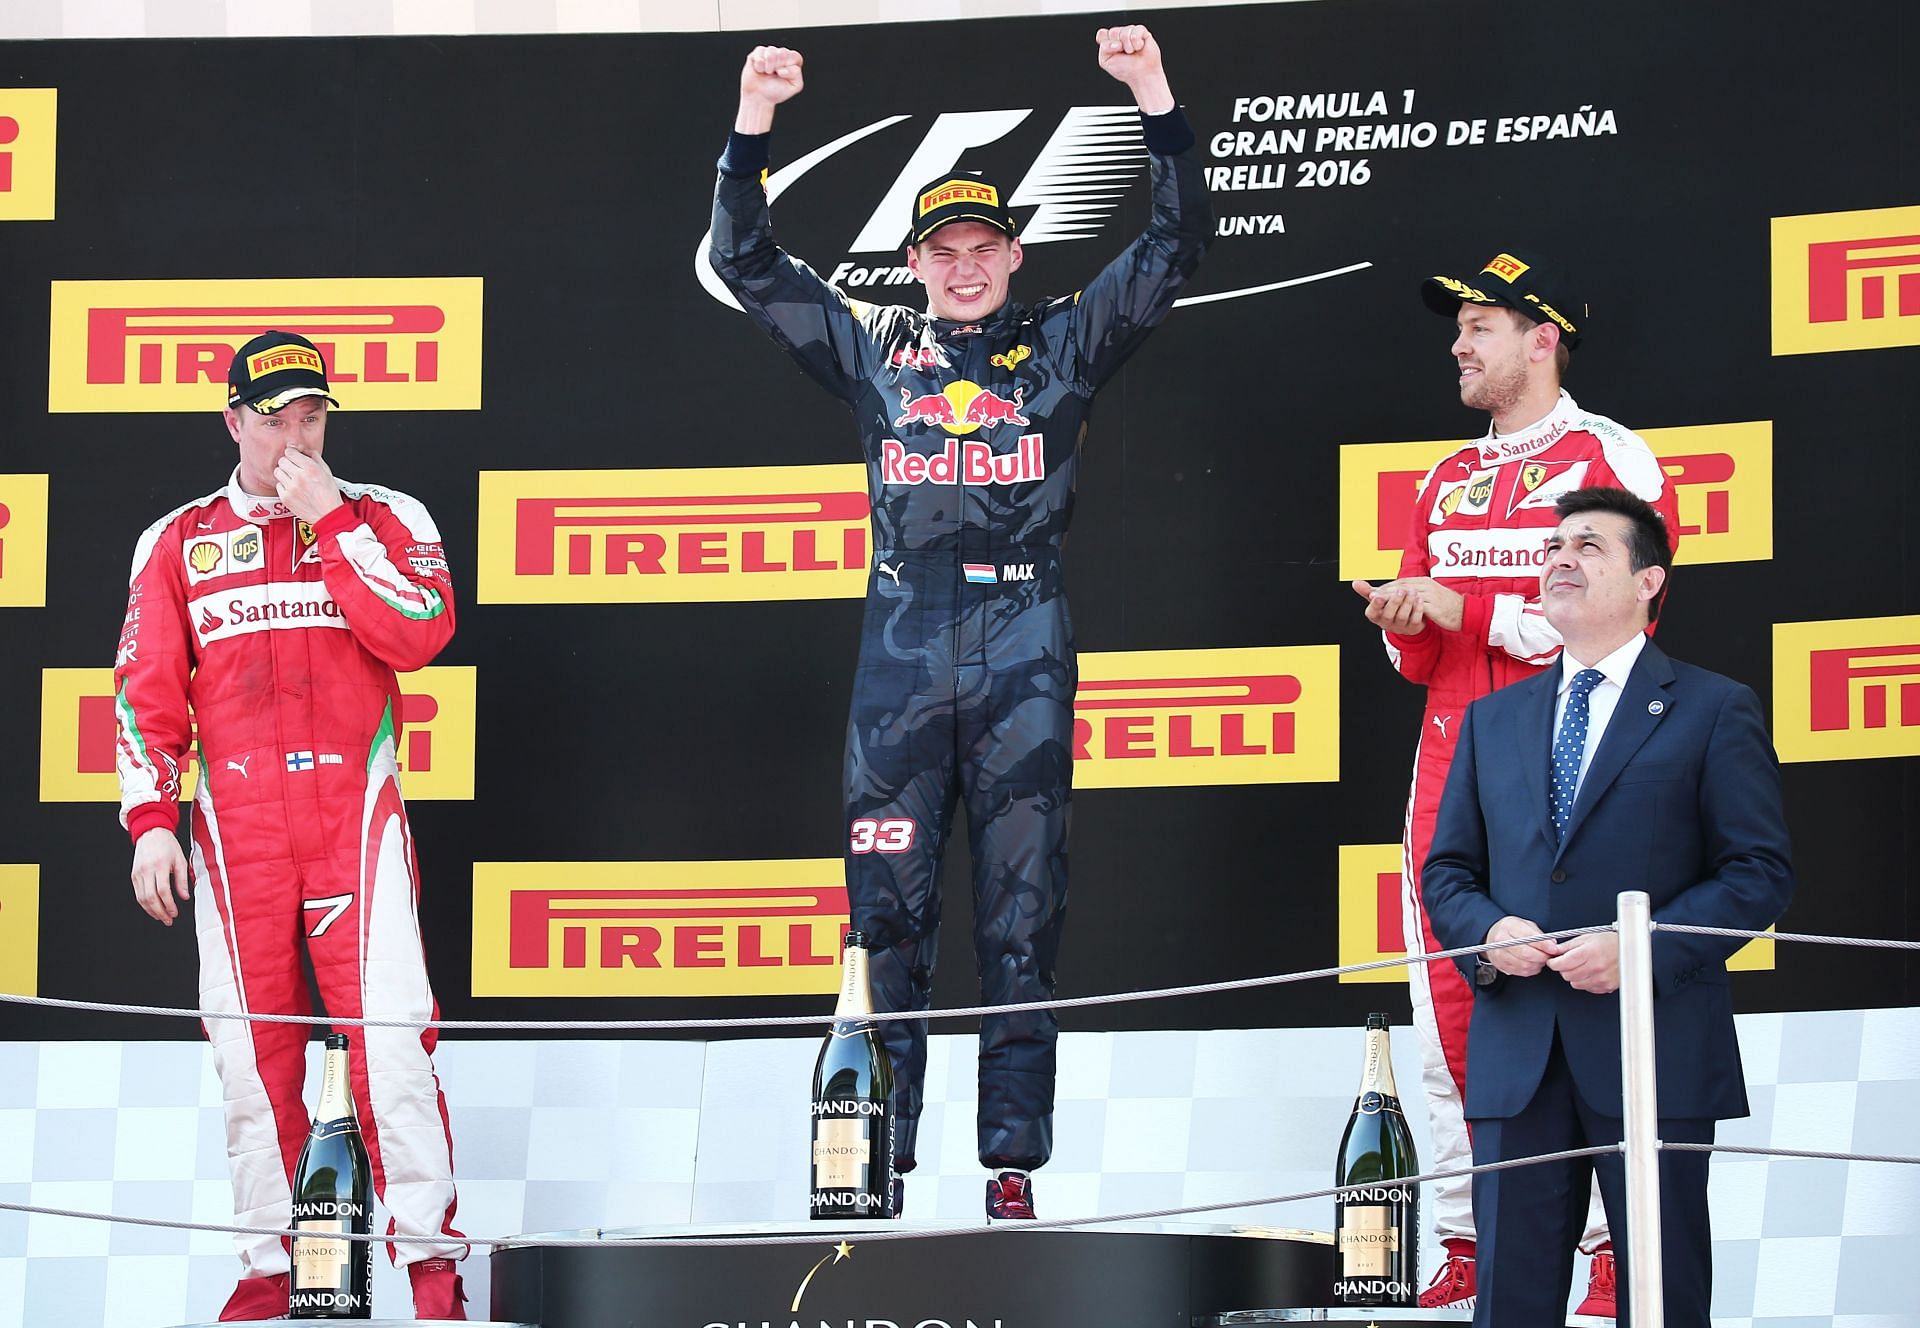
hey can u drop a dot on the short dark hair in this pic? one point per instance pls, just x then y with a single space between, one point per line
1648 544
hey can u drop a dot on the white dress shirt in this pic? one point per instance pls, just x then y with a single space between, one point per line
1606 696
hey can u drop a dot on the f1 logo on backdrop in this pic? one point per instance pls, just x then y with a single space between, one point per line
23 541
20 929
673 536
1846 281
757 928
1847 690
437 710
1372 920
28 122
1721 473
1076 183
1159 718
391 343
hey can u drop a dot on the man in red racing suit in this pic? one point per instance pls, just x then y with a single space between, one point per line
276 609
1464 618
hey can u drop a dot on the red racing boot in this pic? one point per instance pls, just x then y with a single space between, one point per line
258 1298
437 1293
1602 1300
1010 1196
1455 1283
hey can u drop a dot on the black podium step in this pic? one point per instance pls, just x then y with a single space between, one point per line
958 1276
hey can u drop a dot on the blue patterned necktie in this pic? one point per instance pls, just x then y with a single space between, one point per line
1569 747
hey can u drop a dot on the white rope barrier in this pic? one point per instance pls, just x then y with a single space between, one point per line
822 1238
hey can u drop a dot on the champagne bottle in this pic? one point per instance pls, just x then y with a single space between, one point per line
333 1193
1377 1228
853 1104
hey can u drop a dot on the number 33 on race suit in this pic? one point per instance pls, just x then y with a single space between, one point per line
871 836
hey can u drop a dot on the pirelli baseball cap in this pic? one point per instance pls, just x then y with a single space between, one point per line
1514 279
275 368
954 198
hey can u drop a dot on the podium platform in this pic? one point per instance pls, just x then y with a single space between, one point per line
1343 1314
1004 1276
365 1323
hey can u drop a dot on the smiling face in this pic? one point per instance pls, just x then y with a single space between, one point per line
301 424
968 267
1491 353
1589 589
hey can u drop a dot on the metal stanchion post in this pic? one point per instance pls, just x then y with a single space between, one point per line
1640 1110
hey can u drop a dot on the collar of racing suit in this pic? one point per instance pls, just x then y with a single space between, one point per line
1535 438
252 506
946 328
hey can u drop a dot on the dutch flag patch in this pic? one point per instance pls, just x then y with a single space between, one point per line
979 574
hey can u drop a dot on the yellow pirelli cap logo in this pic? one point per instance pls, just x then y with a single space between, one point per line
751 928
78 730
28 121
1846 690
958 191
23 541
20 929
1846 281
1722 475
673 536
283 357
1505 266
390 343
1157 718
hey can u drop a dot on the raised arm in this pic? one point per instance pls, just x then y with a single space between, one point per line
1112 316
807 317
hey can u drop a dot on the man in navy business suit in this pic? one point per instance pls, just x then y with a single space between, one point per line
1619 770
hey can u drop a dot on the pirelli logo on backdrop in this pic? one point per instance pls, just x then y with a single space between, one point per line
391 343
29 118
1722 476
20 929
1372 917
673 536
1370 926
1157 718
761 928
1847 690
23 541
437 711
1846 281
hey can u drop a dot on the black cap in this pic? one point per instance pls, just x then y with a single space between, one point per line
275 368
952 198
1514 279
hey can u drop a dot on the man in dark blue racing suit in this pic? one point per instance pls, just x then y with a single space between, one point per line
971 416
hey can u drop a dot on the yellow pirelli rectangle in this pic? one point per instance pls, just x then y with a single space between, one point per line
1846 281
1846 690
29 142
20 928
390 343
673 536
1158 718
23 541
670 929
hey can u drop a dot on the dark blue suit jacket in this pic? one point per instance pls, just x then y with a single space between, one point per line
1682 800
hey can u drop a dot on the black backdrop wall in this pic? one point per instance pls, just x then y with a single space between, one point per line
1652 145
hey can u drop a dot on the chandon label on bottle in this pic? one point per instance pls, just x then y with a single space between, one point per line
1380 1194
859 1200
1374 1286
851 1106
